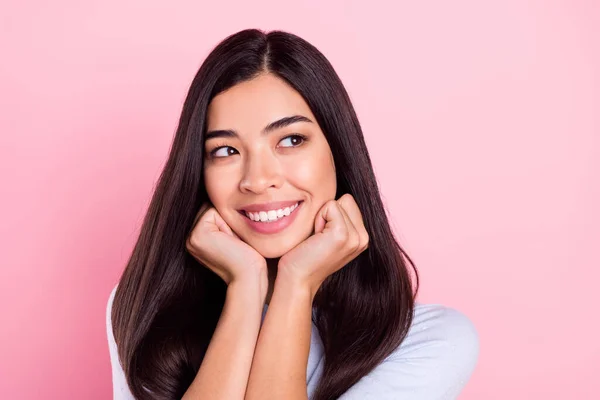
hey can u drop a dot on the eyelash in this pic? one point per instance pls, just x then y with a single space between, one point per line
220 146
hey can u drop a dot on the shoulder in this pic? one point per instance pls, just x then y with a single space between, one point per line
111 298
434 361
120 388
112 346
441 349
109 304
443 329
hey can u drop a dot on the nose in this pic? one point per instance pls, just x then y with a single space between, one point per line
261 171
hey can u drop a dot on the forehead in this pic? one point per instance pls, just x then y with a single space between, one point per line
249 106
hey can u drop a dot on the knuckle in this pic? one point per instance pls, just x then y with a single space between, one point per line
347 199
188 243
342 200
191 241
332 203
354 243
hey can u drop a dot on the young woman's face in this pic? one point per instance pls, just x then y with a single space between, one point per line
252 166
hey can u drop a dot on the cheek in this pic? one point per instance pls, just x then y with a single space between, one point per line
218 187
315 175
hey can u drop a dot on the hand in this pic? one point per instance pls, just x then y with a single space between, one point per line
340 236
215 245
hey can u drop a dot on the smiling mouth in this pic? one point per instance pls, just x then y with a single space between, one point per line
271 215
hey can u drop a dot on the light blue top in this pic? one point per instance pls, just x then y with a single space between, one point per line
434 362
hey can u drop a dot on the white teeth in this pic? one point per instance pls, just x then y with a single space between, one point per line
271 215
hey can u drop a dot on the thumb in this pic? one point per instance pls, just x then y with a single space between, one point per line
328 216
222 225
320 220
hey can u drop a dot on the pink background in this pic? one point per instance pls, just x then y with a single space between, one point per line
481 118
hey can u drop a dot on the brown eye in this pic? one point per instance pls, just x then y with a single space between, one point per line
223 151
294 140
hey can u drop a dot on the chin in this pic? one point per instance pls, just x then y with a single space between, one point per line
269 251
275 246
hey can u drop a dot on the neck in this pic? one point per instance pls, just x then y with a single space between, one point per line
272 269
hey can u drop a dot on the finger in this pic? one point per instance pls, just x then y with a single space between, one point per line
322 217
349 224
353 236
222 225
203 208
344 203
338 220
328 217
351 207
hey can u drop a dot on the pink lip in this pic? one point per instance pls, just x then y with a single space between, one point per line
273 227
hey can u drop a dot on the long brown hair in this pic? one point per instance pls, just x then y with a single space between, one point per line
167 306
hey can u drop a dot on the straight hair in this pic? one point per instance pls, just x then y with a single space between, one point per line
167 305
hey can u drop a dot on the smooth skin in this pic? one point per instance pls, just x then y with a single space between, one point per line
223 373
280 360
285 270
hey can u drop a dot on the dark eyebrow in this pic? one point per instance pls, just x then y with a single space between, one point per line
280 123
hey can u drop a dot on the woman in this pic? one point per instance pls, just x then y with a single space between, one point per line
266 266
